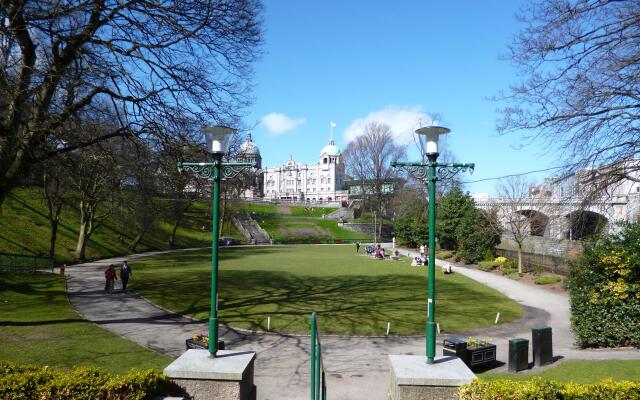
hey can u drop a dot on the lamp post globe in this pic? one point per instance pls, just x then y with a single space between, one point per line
428 137
218 138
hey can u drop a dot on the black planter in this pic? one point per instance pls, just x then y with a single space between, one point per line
193 344
474 356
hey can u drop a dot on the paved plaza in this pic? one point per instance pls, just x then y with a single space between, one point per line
357 367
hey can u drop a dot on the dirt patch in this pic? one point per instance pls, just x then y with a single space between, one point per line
303 232
284 210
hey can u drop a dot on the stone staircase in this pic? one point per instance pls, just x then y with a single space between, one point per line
250 229
341 213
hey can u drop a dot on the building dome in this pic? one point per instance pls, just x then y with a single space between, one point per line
330 149
248 148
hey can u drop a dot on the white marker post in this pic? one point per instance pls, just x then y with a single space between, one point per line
438 327
268 323
388 327
497 317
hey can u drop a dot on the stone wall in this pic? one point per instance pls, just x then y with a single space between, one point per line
549 253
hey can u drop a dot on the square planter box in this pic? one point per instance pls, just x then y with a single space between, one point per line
193 344
473 356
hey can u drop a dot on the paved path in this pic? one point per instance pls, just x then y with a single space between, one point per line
357 367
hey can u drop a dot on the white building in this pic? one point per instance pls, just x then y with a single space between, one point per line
321 182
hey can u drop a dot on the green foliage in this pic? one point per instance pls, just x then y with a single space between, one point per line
541 389
515 275
476 235
26 382
604 286
547 279
452 208
538 270
488 265
444 255
412 224
489 255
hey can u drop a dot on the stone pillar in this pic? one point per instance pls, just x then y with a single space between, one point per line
229 376
413 379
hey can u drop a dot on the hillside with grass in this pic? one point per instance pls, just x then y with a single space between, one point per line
24 229
300 224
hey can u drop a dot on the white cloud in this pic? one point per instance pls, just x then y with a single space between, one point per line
403 120
278 124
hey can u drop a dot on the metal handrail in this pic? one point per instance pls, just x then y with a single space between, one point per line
318 380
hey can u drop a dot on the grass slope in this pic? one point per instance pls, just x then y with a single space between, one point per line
353 294
24 229
38 326
579 371
299 223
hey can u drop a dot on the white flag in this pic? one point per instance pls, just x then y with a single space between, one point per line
333 124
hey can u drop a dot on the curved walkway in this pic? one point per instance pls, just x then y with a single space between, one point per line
357 367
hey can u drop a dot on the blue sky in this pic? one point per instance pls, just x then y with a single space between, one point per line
396 62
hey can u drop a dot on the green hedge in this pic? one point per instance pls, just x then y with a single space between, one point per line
488 265
540 389
19 382
604 287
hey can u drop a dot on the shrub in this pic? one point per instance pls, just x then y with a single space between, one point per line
515 275
538 270
488 265
508 267
489 256
26 382
443 255
548 390
501 260
547 279
604 287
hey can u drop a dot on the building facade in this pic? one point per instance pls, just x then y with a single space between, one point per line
251 181
320 182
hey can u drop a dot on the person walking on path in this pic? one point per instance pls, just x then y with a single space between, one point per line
110 278
125 273
357 247
422 250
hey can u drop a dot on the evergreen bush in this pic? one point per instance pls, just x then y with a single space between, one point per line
20 382
547 279
541 389
604 287
488 265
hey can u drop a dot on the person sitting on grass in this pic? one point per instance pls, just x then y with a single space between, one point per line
446 269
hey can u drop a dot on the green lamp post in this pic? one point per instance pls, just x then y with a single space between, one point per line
218 139
431 172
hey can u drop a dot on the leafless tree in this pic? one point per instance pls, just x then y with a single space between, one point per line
56 187
96 182
148 59
581 88
518 213
368 158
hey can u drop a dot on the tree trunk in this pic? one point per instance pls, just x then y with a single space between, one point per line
82 241
172 238
520 259
54 234
136 240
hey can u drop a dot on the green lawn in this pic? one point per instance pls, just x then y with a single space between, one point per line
39 327
24 229
353 294
579 371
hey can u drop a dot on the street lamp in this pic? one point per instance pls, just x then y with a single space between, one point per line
218 139
431 172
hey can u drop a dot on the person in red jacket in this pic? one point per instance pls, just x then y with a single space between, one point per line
110 278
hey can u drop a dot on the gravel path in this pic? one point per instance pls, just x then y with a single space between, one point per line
357 367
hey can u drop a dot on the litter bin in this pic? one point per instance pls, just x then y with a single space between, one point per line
542 345
518 354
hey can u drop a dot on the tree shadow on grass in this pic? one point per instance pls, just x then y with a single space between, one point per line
349 304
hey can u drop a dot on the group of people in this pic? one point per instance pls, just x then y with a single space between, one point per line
111 277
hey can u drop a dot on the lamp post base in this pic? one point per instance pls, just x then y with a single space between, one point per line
228 376
413 379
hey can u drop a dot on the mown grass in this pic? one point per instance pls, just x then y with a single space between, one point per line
24 229
352 293
578 371
38 326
